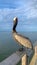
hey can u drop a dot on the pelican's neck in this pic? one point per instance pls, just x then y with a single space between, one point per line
14 27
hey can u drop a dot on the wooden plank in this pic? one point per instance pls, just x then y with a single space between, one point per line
13 59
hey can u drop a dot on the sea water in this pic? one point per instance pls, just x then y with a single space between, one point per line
8 45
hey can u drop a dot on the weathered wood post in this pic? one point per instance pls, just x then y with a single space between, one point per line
24 60
36 55
36 51
34 59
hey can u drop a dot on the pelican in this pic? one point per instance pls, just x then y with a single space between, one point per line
23 41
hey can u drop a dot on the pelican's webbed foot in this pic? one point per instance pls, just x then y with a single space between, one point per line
21 49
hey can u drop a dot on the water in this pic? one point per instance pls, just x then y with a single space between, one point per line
9 46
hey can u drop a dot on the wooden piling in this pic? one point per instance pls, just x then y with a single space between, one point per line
25 60
34 59
36 51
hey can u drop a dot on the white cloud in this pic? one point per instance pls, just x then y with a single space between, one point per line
27 10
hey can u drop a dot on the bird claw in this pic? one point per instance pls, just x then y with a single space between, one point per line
21 49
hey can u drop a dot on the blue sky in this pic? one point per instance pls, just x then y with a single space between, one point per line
25 10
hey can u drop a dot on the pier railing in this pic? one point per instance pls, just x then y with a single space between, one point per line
17 56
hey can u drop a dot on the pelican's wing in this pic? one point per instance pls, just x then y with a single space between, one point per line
23 41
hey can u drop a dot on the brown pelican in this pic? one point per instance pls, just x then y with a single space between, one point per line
24 41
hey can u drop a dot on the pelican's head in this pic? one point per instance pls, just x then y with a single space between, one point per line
15 21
